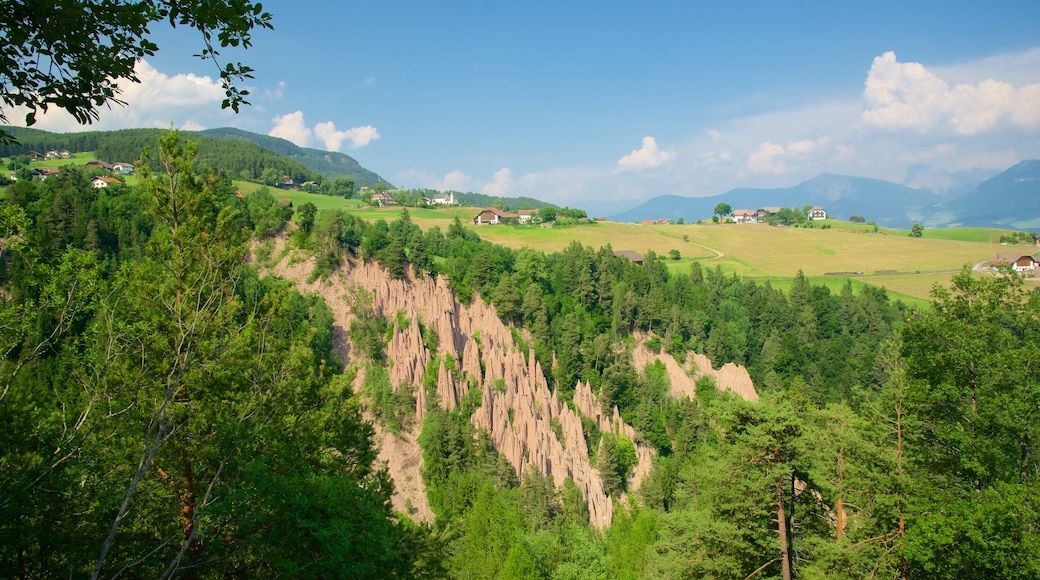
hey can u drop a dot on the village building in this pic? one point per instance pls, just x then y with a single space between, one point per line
105 181
817 213
493 216
1021 263
443 198
745 216
382 198
634 257
525 215
57 154
99 163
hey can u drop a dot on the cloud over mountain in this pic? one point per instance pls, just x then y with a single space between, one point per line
907 96
292 127
647 156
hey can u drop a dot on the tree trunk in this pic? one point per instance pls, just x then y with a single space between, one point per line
903 566
187 497
781 520
840 507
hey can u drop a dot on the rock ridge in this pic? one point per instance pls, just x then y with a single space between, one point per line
528 424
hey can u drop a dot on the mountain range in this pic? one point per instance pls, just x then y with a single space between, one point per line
1008 200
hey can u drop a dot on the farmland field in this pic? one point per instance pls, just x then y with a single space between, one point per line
906 267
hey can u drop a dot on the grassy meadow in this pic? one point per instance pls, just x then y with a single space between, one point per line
908 268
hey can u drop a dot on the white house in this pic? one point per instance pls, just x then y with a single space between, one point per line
1020 263
492 216
525 215
444 198
382 198
817 213
745 216
101 182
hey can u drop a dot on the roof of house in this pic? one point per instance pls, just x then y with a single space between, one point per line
1012 257
528 212
498 212
109 180
744 212
632 256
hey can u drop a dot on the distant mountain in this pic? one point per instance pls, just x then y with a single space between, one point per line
1009 200
887 203
330 164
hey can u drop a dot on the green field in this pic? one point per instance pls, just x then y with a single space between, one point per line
906 267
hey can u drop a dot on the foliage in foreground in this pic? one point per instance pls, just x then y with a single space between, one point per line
166 412
169 413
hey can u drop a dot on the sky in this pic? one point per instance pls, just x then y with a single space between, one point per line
605 105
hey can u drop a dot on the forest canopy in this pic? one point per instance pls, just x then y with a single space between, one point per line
169 411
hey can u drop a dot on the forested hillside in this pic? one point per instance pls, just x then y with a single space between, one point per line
238 153
329 164
172 411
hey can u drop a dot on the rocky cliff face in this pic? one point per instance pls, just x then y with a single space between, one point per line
528 424
683 377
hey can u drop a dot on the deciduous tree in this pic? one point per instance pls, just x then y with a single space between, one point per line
73 55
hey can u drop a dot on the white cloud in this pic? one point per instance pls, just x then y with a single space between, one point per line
646 157
805 146
501 183
455 181
156 101
764 160
783 147
276 93
772 158
191 126
358 136
1017 68
907 96
292 128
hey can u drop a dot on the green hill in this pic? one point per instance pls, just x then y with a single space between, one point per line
329 164
239 153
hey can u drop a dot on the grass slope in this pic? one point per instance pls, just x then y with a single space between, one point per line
906 267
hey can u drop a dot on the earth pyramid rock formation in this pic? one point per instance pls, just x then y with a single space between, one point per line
528 424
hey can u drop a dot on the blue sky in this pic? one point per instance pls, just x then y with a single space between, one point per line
605 105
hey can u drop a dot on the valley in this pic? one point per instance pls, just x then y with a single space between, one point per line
280 371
